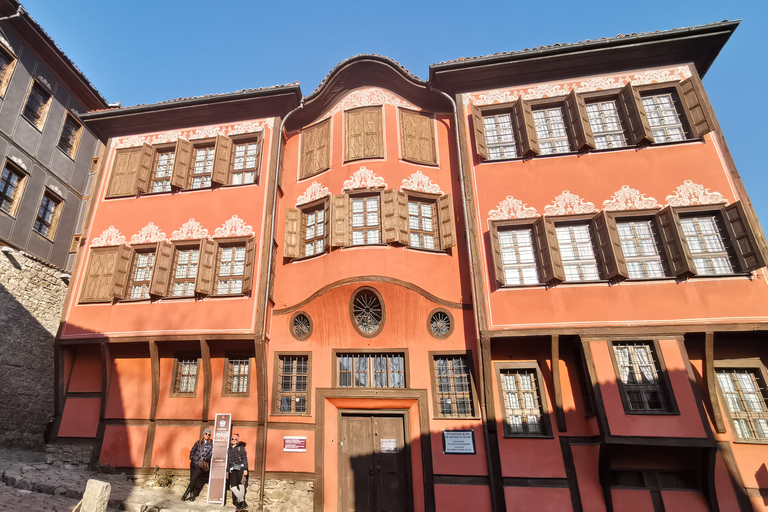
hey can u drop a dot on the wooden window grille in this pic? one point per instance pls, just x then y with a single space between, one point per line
292 382
70 136
707 244
245 163
384 370
522 402
518 256
36 107
747 401
500 136
606 125
422 221
366 220
185 380
551 131
185 272
301 326
639 373
418 137
238 375
664 117
639 244
7 65
440 324
314 231
11 185
48 216
577 252
230 270
202 167
163 171
141 274
453 387
367 312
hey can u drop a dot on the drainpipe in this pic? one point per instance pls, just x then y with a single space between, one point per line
467 236
279 155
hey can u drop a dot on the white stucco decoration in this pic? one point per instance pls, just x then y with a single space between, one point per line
109 236
148 234
568 203
366 98
511 208
55 189
206 132
235 226
692 193
5 42
190 230
363 178
420 182
314 191
628 198
44 81
18 161
199 133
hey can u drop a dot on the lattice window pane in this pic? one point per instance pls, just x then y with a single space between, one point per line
641 251
161 178
518 256
9 186
639 373
500 137
452 387
664 118
380 370
522 402
186 375
708 245
577 252
293 373
238 373
747 401
550 130
606 125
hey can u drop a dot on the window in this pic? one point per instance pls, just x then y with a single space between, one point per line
185 377
551 131
707 244
185 265
384 370
606 125
231 269
301 326
7 65
440 323
315 232
246 161
577 252
306 230
453 386
141 274
366 223
48 215
238 376
746 399
639 373
417 133
315 149
367 311
506 131
38 102
70 136
163 170
518 256
108 273
364 133
640 248
663 114
524 403
422 222
131 170
500 136
12 184
292 389
202 168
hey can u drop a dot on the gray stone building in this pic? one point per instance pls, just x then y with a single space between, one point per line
47 157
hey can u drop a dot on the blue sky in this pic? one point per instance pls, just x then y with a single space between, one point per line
144 51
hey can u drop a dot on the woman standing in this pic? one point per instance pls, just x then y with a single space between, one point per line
200 463
237 471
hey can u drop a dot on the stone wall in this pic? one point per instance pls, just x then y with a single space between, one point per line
288 495
31 298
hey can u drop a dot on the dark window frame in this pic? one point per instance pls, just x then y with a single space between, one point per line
424 198
69 141
175 390
239 140
516 366
226 391
619 216
37 115
516 225
451 325
293 331
369 351
469 361
182 245
137 250
6 71
276 387
52 225
227 243
752 364
161 149
352 318
18 191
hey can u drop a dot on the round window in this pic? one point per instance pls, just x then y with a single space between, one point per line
301 326
440 323
367 311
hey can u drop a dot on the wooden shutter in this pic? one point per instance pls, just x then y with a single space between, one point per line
182 163
259 149
292 237
401 218
525 128
418 137
550 262
146 158
498 267
742 237
609 247
697 108
161 275
99 276
57 210
206 267
630 105
389 214
122 274
222 155
673 241
342 232
250 253
478 128
124 173
447 227
364 134
581 131
315 145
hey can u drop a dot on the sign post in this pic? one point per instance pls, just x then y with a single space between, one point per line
217 477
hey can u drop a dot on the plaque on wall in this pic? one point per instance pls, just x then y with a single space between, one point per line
459 442
389 446
295 444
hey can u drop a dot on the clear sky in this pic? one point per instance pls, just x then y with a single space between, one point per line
145 51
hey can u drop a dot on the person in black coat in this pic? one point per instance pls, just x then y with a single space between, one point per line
237 471
199 455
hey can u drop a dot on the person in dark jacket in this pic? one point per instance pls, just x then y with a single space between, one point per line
237 471
199 455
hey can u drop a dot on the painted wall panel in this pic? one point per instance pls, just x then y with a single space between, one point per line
80 417
86 374
449 498
172 446
123 446
130 393
628 500
538 498
586 462
688 501
277 460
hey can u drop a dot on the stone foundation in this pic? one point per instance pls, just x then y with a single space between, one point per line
31 298
289 495
76 454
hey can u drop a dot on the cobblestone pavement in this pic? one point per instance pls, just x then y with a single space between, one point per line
31 484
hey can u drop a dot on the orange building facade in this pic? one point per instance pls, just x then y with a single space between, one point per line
533 280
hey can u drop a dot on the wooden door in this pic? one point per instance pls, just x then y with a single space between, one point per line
373 473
